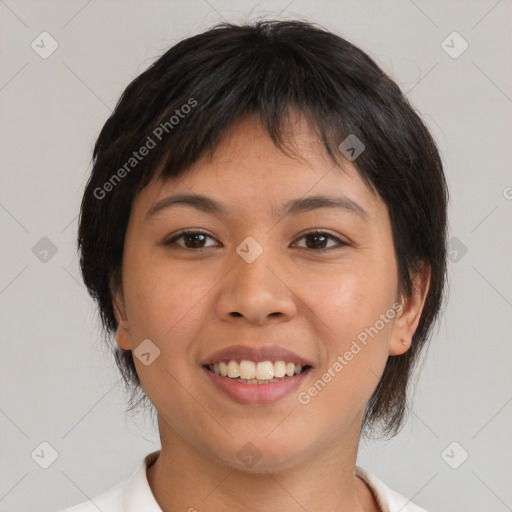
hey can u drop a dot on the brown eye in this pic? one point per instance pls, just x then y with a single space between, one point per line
195 240
317 240
192 240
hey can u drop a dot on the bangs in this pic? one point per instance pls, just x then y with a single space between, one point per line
273 80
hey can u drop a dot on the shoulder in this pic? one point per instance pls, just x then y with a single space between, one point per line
388 499
132 495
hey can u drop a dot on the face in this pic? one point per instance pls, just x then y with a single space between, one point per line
258 277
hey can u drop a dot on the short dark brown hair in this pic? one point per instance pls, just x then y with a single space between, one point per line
188 98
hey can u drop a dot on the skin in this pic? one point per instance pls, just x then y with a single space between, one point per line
192 302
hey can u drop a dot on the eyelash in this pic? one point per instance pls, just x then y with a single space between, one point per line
326 234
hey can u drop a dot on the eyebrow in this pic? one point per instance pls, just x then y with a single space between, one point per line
292 207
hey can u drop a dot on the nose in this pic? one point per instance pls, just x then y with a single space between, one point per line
257 291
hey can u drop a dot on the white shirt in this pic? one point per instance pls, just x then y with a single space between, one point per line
134 494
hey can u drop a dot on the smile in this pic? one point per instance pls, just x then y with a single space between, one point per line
256 383
251 372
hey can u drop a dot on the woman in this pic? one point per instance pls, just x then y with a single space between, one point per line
264 231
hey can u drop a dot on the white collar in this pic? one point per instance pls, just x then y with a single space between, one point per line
138 496
387 499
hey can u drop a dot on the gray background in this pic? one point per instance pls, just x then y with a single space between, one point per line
58 381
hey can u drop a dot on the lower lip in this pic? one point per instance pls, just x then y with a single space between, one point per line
256 394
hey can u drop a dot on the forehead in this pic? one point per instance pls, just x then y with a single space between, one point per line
248 169
247 144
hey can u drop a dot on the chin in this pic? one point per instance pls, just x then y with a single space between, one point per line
261 455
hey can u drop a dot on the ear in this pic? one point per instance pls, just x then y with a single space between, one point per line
123 328
409 313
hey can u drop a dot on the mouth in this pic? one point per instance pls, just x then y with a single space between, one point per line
256 375
257 372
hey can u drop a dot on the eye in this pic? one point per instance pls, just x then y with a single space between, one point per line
320 238
193 239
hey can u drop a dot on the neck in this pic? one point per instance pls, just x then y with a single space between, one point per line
184 478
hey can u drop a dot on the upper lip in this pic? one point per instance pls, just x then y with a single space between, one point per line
257 354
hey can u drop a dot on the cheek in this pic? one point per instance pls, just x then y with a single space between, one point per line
160 295
354 307
169 306
353 298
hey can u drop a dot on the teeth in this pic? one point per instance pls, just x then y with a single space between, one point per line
233 370
279 369
252 372
264 370
247 369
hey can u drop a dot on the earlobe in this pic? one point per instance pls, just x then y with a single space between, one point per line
123 337
123 327
409 315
